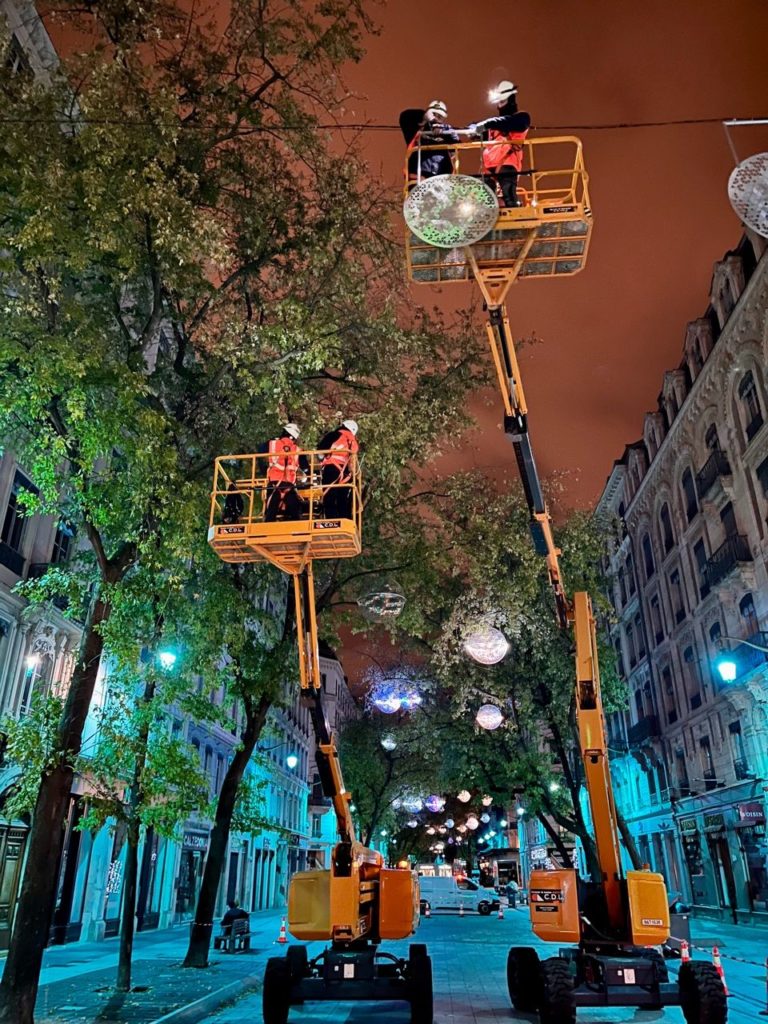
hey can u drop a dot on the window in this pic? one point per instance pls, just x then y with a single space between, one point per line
715 634
750 405
712 438
748 614
639 705
13 524
630 577
676 595
705 759
650 568
37 677
656 623
631 647
762 477
682 771
692 677
316 826
669 694
640 637
728 519
667 536
690 501
62 543
738 750
700 554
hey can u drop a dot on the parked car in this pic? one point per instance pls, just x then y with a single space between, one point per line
450 893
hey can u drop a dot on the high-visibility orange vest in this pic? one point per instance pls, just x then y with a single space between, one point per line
283 461
341 450
507 152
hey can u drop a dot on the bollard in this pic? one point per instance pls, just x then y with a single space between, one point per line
764 1013
685 954
501 912
719 968
282 937
461 909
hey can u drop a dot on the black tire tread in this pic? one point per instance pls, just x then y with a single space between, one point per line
556 1001
523 978
275 997
422 1008
702 996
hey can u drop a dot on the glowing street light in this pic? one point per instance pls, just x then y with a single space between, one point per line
728 669
487 801
167 659
292 760
520 812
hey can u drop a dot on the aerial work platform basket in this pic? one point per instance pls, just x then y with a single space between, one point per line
547 236
241 528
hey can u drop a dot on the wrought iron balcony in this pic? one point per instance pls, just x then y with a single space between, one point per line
734 551
645 729
742 769
11 559
717 465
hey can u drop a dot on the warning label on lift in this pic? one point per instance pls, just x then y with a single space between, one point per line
546 896
231 529
542 909
327 524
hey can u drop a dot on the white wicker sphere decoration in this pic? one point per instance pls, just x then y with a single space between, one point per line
472 823
487 645
748 192
489 717
465 796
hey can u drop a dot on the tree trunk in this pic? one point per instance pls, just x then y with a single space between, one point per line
32 922
202 927
557 841
629 841
128 920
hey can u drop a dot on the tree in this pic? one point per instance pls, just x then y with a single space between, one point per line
186 261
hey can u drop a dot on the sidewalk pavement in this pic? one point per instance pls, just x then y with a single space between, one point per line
741 942
77 980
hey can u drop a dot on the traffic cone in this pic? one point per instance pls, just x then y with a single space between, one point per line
685 955
282 937
461 910
501 912
719 968
427 911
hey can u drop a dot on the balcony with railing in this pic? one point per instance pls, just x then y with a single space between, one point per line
742 769
716 466
733 552
643 730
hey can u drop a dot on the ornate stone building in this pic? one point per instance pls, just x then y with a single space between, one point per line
689 506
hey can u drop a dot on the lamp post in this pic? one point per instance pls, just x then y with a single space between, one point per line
727 666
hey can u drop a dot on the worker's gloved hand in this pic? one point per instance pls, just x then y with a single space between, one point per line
303 478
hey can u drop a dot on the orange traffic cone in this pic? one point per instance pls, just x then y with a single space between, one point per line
282 937
501 912
461 910
685 955
719 968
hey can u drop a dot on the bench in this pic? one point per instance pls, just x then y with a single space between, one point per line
237 937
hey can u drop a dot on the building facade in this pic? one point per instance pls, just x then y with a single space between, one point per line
687 507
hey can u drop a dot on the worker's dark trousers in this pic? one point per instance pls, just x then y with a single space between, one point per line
283 503
337 501
507 179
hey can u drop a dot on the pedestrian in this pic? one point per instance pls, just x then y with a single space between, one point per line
234 913
427 128
503 157
512 890
341 445
283 463
233 505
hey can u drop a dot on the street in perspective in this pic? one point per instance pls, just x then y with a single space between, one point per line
383 504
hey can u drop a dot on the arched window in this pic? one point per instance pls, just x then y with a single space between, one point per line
692 677
750 404
667 536
648 562
748 614
690 499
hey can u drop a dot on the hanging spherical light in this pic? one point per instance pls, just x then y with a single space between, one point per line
434 803
387 703
383 602
412 823
486 645
449 822
388 742
485 818
465 796
430 831
442 830
462 828
397 803
489 717
472 822
487 800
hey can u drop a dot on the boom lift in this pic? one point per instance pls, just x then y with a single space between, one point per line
456 233
357 901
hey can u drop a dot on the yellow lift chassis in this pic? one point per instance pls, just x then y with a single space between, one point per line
456 232
355 902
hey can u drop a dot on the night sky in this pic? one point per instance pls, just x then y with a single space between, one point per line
661 211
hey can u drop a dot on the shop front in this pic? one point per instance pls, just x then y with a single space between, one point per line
194 847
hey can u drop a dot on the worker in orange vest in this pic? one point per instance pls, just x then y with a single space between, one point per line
503 158
283 464
342 446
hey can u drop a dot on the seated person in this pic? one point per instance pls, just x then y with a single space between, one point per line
234 913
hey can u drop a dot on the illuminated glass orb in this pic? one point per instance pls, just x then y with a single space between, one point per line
397 803
412 823
485 818
487 800
465 796
489 717
388 742
167 659
472 823
458 840
451 209
413 804
554 787
386 602
520 812
439 847
462 828
442 830
387 703
398 691
430 831
450 842
292 760
748 192
449 822
434 803
486 645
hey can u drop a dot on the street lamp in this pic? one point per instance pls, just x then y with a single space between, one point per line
727 668
167 659
292 760
726 665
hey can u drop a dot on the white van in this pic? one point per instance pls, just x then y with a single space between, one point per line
441 893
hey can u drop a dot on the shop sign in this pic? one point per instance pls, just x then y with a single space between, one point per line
752 812
714 822
195 841
688 825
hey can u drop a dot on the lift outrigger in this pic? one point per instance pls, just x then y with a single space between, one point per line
356 902
456 233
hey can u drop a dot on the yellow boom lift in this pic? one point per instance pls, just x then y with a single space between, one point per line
456 232
356 901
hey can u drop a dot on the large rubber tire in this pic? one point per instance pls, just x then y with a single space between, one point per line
484 908
420 984
524 978
702 996
556 992
298 962
276 996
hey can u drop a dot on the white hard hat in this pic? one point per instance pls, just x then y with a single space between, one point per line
439 108
351 426
502 92
293 430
